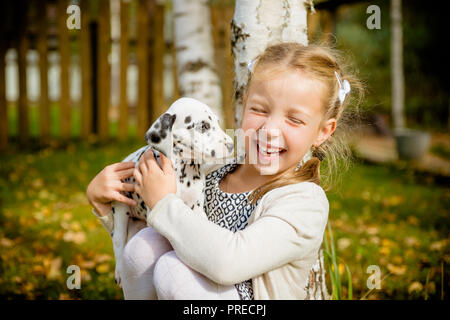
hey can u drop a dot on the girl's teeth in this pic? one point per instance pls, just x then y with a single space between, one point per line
269 151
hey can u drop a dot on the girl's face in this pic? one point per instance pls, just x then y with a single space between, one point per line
283 113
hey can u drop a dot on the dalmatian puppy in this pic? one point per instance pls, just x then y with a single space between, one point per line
189 134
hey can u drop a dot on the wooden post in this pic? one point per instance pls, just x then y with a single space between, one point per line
103 79
143 66
64 61
220 20
44 110
328 18
3 104
176 91
22 108
158 60
313 24
124 49
86 73
93 29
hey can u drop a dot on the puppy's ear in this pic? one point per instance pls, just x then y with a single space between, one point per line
167 120
160 128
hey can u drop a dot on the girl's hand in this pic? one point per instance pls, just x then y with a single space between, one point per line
152 183
106 187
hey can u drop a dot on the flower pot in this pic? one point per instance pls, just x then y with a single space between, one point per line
411 144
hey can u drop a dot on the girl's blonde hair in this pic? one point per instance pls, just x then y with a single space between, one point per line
319 62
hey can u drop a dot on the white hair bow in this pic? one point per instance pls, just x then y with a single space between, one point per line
344 88
250 65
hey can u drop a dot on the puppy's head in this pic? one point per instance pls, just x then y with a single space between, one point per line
191 130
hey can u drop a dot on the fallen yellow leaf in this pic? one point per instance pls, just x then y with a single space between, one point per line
102 268
415 286
397 270
55 269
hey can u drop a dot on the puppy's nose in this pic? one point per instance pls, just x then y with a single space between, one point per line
230 147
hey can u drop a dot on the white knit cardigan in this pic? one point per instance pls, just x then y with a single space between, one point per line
276 250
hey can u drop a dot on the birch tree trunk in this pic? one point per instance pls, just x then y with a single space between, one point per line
197 77
397 78
257 24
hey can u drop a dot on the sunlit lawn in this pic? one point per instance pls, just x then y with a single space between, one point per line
380 216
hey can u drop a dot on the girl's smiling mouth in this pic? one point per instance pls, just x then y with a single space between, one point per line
268 152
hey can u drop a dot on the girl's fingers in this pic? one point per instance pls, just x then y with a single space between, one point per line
125 173
151 162
138 176
123 165
121 198
149 156
166 163
127 187
142 167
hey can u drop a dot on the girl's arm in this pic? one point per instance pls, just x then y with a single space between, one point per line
290 227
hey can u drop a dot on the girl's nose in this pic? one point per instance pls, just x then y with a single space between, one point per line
271 130
270 135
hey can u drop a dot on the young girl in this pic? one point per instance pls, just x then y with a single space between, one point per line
267 215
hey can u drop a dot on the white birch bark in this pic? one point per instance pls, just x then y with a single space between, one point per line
197 76
257 24
397 77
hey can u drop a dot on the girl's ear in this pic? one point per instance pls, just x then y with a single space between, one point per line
325 131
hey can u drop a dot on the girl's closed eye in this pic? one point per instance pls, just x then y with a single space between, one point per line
296 121
257 110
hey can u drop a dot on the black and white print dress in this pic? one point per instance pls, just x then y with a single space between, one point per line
230 211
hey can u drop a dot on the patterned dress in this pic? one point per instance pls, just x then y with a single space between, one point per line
230 211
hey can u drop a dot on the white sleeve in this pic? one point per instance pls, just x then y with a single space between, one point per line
289 228
106 220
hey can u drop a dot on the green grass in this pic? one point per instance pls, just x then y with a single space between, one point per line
75 122
393 219
441 150
378 216
46 223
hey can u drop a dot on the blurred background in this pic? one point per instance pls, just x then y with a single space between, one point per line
89 103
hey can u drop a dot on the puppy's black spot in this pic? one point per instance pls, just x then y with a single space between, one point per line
187 119
213 153
154 137
128 213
